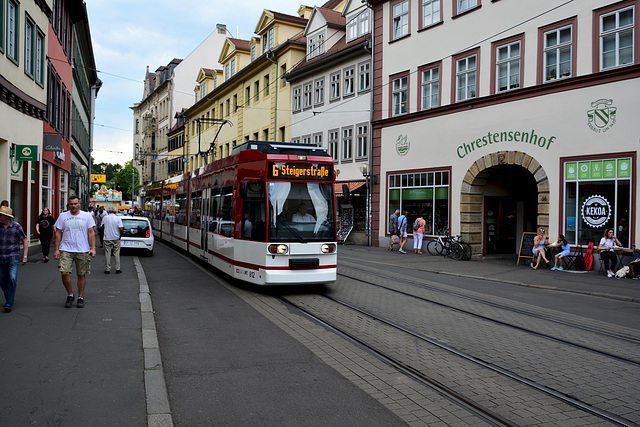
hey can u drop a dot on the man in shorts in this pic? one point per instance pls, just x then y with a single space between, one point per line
75 241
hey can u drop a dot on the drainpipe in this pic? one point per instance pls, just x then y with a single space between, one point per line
275 114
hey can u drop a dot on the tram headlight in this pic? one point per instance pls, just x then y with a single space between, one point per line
328 248
278 249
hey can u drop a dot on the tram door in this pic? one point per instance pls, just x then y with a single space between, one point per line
204 224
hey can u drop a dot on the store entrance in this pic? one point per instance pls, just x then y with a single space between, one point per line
510 197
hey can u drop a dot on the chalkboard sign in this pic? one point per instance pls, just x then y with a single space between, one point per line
526 246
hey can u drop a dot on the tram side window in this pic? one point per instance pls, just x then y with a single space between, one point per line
181 210
226 223
254 212
214 209
166 206
196 206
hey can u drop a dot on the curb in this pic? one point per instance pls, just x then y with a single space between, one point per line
158 408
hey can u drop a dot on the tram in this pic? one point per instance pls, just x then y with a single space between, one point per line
265 214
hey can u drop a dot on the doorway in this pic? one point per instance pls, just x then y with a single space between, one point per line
510 208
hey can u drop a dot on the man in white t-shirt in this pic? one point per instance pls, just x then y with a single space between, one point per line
112 233
302 215
75 241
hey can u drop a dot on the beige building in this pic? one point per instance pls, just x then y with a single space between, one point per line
247 99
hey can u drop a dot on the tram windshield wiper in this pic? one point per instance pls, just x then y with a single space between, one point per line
292 231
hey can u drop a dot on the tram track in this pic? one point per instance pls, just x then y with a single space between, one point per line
416 373
604 350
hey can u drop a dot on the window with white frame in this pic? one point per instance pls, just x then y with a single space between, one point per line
318 98
253 53
362 140
265 42
47 187
400 19
297 99
466 4
271 38
320 43
233 67
352 28
349 88
557 53
295 140
226 72
430 12
29 40
466 78
430 88
363 23
266 85
364 76
39 58
347 143
335 86
307 95
333 144
64 189
616 38
317 139
203 89
312 47
13 20
399 96
508 67
306 139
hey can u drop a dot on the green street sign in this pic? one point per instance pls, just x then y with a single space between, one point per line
27 153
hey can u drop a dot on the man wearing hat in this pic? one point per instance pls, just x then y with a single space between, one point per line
11 233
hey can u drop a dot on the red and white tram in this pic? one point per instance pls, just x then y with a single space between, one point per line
265 214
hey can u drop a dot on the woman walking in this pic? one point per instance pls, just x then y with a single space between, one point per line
44 227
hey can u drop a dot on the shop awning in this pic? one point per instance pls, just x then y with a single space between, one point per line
352 186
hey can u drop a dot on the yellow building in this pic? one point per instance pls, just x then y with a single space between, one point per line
247 99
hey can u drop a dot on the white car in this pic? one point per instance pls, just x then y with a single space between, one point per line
137 234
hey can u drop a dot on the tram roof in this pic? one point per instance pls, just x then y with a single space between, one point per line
268 147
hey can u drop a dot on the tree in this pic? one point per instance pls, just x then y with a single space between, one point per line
123 178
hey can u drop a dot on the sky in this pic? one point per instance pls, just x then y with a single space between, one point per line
129 35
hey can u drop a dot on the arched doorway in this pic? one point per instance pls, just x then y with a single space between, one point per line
503 194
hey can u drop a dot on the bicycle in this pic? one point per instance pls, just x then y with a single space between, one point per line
448 245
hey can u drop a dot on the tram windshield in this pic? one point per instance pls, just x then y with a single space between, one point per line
301 211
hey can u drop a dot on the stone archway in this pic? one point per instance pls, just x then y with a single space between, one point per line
471 199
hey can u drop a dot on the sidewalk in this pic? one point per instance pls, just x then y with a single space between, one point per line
503 270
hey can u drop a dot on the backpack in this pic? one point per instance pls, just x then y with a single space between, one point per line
579 262
588 258
416 225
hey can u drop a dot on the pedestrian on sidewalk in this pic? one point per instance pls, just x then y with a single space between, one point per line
44 228
11 233
393 227
565 249
418 234
113 228
99 217
75 242
607 244
402 231
538 248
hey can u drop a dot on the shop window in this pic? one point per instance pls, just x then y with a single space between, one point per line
597 197
422 193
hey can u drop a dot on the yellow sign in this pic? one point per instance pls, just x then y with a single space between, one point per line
98 177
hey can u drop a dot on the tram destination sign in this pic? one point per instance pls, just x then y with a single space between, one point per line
301 171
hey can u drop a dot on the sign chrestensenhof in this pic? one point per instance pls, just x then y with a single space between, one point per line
603 116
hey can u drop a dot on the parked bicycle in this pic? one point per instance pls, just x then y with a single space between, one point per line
452 246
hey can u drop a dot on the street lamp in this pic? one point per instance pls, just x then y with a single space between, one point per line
366 173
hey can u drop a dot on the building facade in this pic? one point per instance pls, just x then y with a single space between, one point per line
331 104
250 100
527 123
23 104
